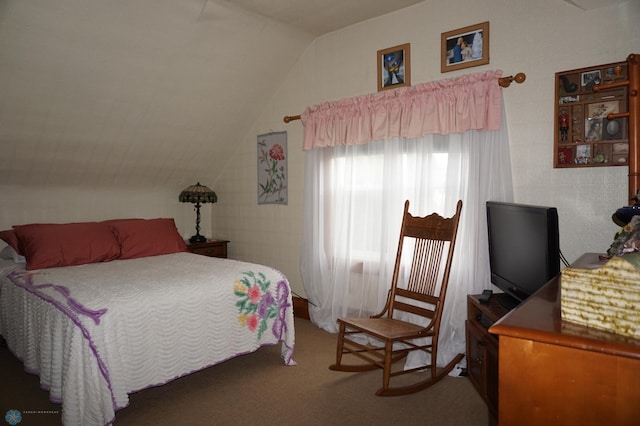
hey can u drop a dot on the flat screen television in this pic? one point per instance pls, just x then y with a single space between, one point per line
524 249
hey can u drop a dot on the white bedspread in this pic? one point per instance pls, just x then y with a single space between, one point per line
95 333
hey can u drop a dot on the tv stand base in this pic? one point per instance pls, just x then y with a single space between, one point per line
482 347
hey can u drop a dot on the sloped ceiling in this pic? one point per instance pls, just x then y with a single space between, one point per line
320 16
145 92
593 4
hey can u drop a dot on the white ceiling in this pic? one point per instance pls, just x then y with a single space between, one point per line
149 92
146 92
593 4
318 16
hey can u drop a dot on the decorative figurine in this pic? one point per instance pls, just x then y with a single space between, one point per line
568 86
617 70
563 123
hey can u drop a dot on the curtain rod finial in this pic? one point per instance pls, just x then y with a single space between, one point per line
288 118
506 81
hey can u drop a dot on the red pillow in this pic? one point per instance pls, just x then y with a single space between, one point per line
9 236
147 237
52 245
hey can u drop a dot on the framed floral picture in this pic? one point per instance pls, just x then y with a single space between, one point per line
394 67
272 168
602 109
465 47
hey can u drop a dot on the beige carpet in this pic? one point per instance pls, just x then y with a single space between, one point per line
259 389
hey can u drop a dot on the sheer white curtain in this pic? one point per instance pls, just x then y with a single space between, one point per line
354 197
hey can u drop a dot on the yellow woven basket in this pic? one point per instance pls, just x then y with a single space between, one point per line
607 298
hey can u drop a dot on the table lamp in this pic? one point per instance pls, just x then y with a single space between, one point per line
197 194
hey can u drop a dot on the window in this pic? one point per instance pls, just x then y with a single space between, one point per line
359 179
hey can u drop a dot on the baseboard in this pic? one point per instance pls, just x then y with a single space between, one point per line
300 307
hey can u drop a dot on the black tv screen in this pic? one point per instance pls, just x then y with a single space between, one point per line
524 248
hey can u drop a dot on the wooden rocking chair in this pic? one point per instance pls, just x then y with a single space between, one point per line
422 297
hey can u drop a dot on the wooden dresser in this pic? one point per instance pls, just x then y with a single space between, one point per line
553 372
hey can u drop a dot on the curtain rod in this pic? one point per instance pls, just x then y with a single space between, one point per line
502 81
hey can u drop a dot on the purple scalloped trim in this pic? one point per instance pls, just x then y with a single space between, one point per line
72 310
282 296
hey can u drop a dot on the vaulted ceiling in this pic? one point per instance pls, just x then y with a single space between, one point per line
316 16
147 92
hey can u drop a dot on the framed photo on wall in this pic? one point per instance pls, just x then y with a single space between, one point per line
590 78
394 67
465 47
583 154
614 128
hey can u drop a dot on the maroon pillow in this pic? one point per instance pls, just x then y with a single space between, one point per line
9 236
51 245
147 237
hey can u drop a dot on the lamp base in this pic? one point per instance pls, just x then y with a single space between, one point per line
197 239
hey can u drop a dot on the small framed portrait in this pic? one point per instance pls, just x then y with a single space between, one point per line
394 67
593 129
590 78
583 154
465 47
614 129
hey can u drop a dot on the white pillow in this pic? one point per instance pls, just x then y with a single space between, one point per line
9 253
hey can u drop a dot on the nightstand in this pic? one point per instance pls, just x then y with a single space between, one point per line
211 248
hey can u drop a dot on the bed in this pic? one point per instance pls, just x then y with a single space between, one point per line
98 331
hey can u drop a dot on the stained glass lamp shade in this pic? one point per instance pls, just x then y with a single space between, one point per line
197 194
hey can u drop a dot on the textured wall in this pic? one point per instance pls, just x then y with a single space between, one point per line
110 112
127 103
538 40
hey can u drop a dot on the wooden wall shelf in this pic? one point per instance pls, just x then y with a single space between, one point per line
591 128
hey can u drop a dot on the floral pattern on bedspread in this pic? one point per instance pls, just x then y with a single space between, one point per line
257 305
93 357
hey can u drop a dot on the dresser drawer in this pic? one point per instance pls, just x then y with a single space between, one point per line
212 248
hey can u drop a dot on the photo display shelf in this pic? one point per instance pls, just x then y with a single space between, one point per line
585 133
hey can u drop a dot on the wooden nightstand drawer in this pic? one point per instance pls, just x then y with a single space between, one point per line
211 248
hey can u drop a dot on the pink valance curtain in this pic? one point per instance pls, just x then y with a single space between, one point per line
469 102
